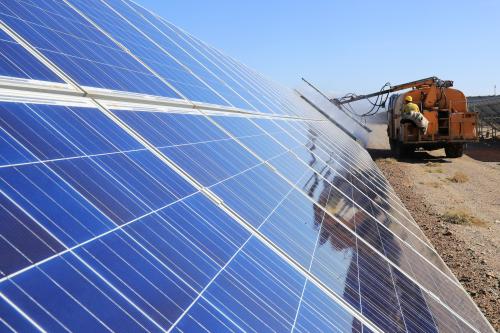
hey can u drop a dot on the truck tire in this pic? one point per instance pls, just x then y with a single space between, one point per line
454 150
399 149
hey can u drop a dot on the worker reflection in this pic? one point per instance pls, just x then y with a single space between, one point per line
411 114
370 285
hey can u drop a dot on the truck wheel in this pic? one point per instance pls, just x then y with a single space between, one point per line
392 144
400 150
454 150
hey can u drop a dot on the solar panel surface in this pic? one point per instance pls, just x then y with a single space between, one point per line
17 62
250 212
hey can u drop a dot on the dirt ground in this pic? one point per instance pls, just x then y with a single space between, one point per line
456 202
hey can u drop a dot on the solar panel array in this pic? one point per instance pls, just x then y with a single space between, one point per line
151 183
488 108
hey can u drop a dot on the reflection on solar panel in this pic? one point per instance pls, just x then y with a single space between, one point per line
159 185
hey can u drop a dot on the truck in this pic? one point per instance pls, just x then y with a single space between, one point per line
450 124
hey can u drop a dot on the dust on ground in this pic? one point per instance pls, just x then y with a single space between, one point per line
456 202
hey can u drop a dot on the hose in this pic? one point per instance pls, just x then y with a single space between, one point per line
376 105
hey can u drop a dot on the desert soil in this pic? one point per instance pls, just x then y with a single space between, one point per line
432 187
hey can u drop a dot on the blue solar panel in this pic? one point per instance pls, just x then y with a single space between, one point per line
78 48
123 217
23 240
197 58
152 55
164 41
265 200
17 62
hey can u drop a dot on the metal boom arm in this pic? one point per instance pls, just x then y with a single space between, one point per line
430 81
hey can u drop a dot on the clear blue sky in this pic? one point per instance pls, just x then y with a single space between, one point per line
357 46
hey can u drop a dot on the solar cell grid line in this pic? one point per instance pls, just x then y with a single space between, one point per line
104 298
12 153
309 270
282 137
282 100
156 59
357 154
318 314
240 302
203 317
447 323
73 230
85 126
23 241
195 286
394 210
395 204
288 97
246 92
449 302
23 322
427 285
391 193
361 154
275 274
168 46
283 103
15 61
78 49
365 162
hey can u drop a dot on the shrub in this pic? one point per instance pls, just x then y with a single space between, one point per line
459 177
